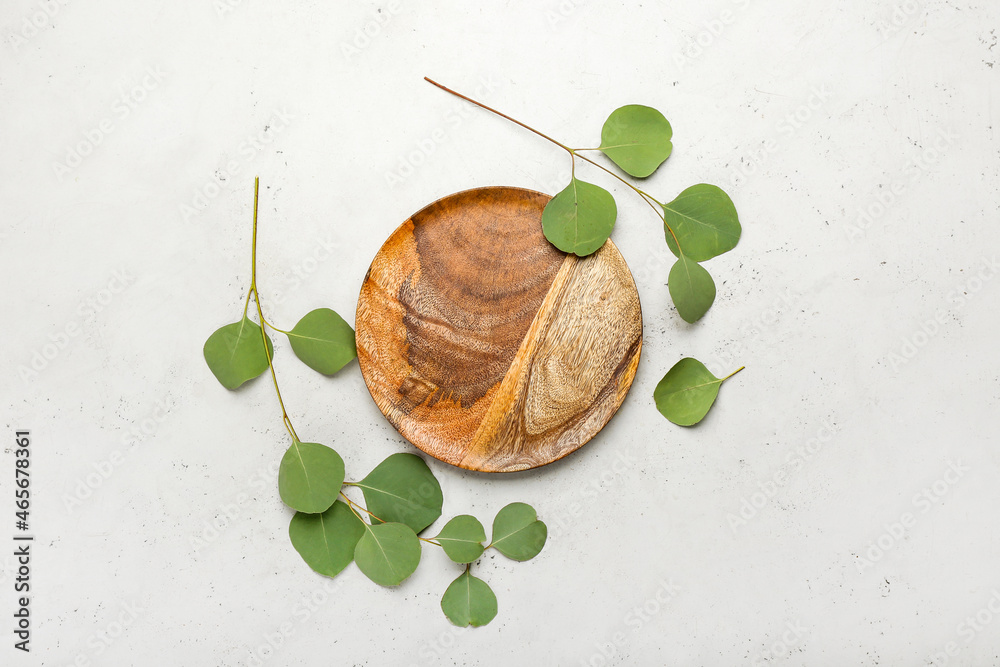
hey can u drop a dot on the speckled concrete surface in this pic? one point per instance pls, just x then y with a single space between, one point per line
838 507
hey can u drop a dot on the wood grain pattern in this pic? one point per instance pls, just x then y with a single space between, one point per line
487 347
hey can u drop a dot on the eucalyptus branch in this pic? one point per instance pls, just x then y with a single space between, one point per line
403 498
574 153
581 217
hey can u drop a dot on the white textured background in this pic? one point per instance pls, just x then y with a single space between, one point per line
870 343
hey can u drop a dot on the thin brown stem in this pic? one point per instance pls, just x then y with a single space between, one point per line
502 115
573 153
350 506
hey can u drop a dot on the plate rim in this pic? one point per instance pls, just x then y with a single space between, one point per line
563 455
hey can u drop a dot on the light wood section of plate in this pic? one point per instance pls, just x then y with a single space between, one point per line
484 345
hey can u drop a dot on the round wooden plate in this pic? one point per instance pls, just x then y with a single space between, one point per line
487 347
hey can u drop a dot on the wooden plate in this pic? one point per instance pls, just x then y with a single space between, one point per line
487 347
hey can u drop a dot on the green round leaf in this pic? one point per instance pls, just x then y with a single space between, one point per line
687 392
691 288
469 601
517 532
235 353
326 541
388 553
705 221
403 489
462 538
580 218
323 341
637 139
310 477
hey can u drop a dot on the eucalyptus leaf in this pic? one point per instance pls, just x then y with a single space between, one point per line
323 341
326 541
462 538
687 392
469 601
235 353
637 139
691 288
580 218
403 489
517 532
388 553
310 477
705 221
